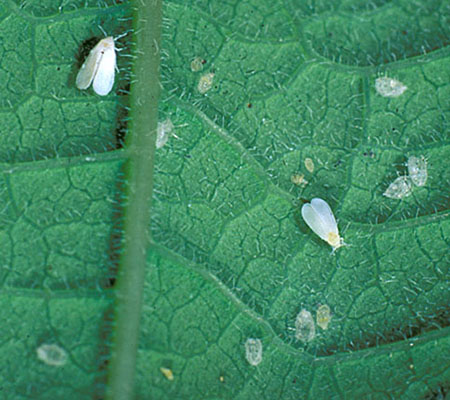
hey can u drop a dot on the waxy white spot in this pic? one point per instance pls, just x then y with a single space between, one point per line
305 330
323 316
320 219
205 82
164 131
389 87
52 354
253 351
417 170
401 187
99 68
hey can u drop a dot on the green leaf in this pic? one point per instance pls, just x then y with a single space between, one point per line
230 257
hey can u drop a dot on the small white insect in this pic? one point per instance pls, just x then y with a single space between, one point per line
205 82
305 330
401 187
52 354
99 68
417 169
163 133
389 87
253 351
323 316
320 219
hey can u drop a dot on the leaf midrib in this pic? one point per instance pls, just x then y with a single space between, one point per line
145 90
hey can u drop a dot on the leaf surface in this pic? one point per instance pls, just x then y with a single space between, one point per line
230 256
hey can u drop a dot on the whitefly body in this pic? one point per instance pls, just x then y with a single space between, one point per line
305 330
253 351
320 219
417 170
323 316
389 87
163 132
52 354
401 187
99 68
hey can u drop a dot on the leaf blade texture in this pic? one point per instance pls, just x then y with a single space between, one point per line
229 257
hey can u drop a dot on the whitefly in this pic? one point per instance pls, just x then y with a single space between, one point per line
253 351
389 87
417 170
305 329
320 219
399 188
99 68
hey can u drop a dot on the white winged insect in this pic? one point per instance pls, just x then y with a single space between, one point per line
99 68
320 219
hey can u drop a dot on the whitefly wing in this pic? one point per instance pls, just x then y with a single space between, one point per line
90 66
315 222
104 78
323 209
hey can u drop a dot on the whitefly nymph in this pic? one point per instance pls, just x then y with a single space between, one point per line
253 351
320 219
99 68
